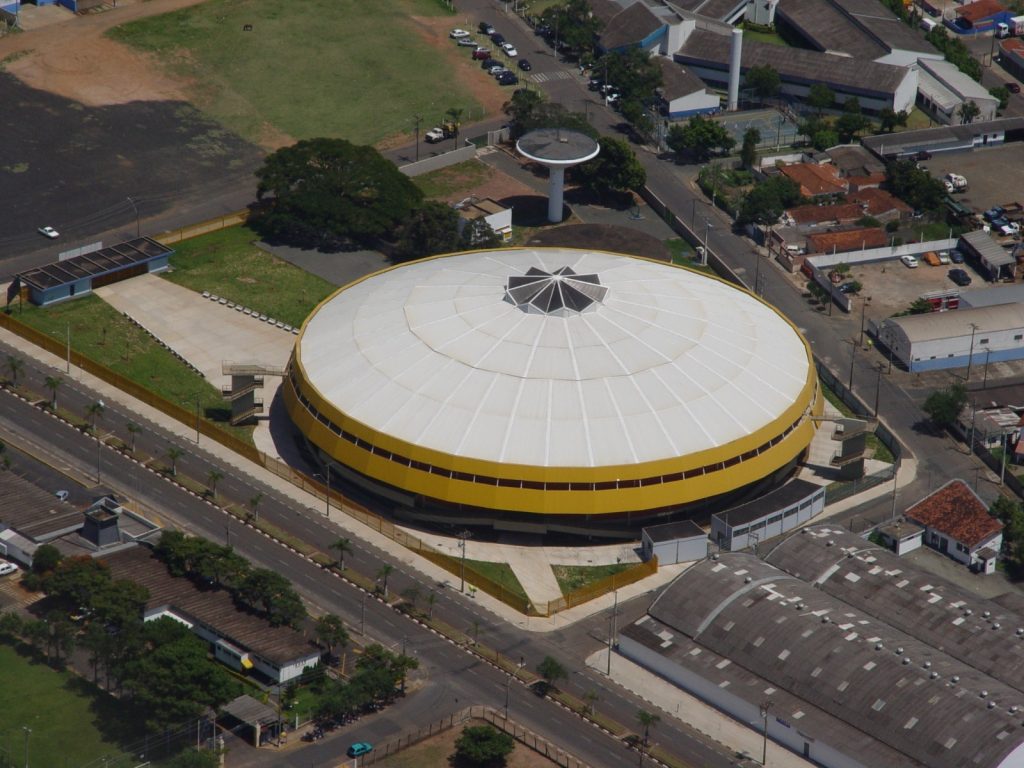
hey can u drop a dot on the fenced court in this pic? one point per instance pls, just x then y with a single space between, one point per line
776 128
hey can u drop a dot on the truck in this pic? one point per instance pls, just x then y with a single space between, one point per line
1012 28
954 182
441 132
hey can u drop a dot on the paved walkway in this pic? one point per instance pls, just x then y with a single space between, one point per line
675 702
203 332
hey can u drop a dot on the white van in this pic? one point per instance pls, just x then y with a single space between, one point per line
928 24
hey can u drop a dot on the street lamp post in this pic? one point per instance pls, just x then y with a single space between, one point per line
853 357
970 354
508 683
765 708
707 226
878 385
136 208
418 119
984 381
863 308
611 631
462 560
99 455
28 732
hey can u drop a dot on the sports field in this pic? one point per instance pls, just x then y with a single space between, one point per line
63 718
275 72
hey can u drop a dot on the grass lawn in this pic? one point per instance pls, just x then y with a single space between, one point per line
757 35
435 751
226 263
341 68
917 121
572 577
499 573
60 710
103 334
453 179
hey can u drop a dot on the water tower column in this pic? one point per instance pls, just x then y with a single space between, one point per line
556 187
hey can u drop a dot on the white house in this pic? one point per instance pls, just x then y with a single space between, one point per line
957 523
497 216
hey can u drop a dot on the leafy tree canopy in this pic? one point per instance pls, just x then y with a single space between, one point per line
699 137
331 193
820 96
764 80
615 169
914 185
944 405
433 229
765 202
576 26
633 73
483 746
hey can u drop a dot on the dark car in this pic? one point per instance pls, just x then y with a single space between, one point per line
481 53
1013 87
525 65
497 38
486 28
542 29
922 155
959 276
850 287
595 84
508 78
489 63
956 257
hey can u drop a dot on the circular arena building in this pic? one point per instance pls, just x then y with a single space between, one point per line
552 389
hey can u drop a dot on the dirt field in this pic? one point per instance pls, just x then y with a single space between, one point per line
434 753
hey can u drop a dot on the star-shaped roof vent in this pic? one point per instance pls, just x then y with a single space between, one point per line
560 293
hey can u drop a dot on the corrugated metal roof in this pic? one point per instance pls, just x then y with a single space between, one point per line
852 666
955 81
987 248
942 136
937 93
957 324
829 28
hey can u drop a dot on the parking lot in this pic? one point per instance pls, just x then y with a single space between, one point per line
894 287
993 176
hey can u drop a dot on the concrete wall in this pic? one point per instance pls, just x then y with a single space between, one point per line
743 711
773 523
437 162
675 551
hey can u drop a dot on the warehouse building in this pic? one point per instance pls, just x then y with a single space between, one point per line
827 680
943 90
947 138
684 94
552 389
876 86
941 340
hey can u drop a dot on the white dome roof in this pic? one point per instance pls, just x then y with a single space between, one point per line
663 363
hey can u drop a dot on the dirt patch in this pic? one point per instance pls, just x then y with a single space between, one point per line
75 59
498 186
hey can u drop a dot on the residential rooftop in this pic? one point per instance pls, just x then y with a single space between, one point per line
957 511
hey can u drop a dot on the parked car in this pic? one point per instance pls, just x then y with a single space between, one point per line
956 256
508 78
595 84
497 38
944 257
1013 87
360 748
7 568
909 261
49 232
850 287
994 213
923 155
62 495
525 65
458 34
500 69
509 49
481 53
466 42
542 29
489 63
959 276
486 28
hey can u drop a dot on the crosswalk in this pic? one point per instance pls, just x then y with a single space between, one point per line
542 77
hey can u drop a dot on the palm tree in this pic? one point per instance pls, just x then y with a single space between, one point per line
53 383
95 411
174 453
590 698
431 599
212 478
341 546
254 504
454 114
648 721
382 575
15 365
133 429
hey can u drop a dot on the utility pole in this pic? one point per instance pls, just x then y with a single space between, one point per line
970 354
863 307
418 119
137 230
611 631
462 561
362 616
765 708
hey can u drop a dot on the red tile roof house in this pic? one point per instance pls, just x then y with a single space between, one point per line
816 180
958 524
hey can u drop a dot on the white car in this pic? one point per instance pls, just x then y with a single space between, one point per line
458 34
909 261
509 49
7 568
496 70
49 232
466 42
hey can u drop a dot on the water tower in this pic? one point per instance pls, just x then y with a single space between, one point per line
557 149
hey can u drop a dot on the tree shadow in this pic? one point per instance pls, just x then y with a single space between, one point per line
531 210
116 720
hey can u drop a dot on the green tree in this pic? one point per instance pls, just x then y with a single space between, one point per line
914 185
270 592
852 121
53 384
699 137
254 506
824 138
520 109
955 52
11 624
615 170
77 581
551 670
174 453
1002 93
634 73
331 632
119 604
382 577
820 97
944 405
748 152
95 412
329 192
765 81
890 120
213 477
342 546
648 721
478 235
576 26
454 116
46 559
967 111
765 203
15 365
100 645
133 430
483 746
432 229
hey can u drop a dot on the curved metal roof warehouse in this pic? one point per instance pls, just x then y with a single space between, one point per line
492 379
